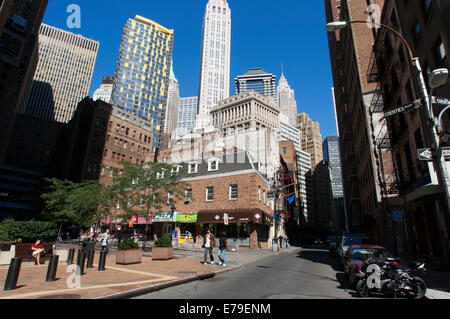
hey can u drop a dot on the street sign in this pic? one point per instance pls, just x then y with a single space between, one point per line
425 154
412 105
440 100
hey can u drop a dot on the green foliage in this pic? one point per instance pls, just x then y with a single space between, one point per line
138 190
68 202
30 231
163 242
128 244
4 232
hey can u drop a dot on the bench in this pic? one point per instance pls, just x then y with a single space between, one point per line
23 251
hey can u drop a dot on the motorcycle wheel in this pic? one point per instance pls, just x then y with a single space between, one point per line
362 289
420 288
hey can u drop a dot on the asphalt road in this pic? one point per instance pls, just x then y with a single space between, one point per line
309 274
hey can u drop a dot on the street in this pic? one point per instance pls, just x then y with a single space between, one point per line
308 274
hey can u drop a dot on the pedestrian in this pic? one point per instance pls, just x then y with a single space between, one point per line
37 250
281 241
209 241
105 244
223 247
286 240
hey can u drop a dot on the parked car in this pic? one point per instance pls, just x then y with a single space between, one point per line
357 254
347 241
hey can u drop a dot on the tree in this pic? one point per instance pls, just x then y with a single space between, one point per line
136 190
79 203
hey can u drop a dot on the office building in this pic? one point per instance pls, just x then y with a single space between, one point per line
286 100
173 104
143 71
214 84
187 114
258 80
63 75
19 27
104 92
310 138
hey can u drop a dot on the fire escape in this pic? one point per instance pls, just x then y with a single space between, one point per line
383 138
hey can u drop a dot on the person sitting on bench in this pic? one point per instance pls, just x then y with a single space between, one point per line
37 250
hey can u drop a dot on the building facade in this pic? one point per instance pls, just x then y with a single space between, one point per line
258 80
173 104
214 83
286 100
143 69
332 156
350 52
104 92
63 75
19 26
423 228
310 138
187 114
100 136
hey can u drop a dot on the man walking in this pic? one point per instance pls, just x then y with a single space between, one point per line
223 246
209 241
105 244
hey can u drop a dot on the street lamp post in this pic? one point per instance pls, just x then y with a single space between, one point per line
439 77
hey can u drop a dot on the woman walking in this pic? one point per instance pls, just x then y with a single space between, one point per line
223 246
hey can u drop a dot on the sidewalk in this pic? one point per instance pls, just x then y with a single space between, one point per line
438 283
122 281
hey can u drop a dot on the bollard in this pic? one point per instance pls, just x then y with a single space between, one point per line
13 274
90 259
102 260
71 254
52 268
81 260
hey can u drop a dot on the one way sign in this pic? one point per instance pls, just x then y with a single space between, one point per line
425 154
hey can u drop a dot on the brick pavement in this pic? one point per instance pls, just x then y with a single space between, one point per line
94 284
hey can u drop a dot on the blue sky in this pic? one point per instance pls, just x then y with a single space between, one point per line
265 33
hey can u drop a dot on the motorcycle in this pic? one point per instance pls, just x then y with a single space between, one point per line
391 278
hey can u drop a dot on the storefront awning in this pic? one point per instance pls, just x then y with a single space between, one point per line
186 218
256 216
423 192
163 217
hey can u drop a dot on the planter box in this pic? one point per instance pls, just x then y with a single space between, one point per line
162 253
126 257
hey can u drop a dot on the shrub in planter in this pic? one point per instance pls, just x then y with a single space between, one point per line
162 249
128 253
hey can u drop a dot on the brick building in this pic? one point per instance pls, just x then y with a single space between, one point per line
228 193
100 136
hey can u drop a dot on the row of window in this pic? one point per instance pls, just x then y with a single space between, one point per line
126 131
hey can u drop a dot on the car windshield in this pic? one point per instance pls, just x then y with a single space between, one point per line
354 241
367 253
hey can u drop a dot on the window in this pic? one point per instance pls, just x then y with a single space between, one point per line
160 175
284 150
213 165
440 52
188 195
233 192
193 168
259 193
175 170
169 198
209 194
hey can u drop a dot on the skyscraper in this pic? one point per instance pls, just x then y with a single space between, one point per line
186 115
286 100
19 26
310 138
214 83
142 73
104 92
173 104
258 80
63 75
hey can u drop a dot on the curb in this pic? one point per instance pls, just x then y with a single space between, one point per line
153 288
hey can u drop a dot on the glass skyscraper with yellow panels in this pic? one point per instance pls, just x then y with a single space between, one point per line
143 70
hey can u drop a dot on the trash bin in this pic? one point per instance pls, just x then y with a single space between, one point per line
87 245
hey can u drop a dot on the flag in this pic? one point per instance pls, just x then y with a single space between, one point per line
291 199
